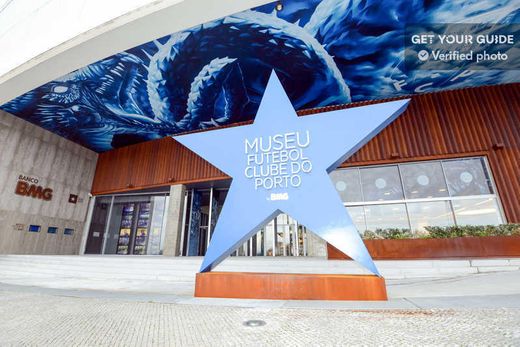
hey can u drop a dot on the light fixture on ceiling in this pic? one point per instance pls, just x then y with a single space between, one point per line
279 6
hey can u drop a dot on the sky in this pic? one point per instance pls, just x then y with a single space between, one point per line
29 28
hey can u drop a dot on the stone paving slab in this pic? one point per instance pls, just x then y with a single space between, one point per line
48 320
498 283
442 302
465 302
477 309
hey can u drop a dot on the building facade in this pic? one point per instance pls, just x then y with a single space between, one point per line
122 91
44 195
451 159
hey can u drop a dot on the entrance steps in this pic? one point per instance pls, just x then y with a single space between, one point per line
183 269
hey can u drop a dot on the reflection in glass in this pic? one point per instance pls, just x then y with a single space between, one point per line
381 183
282 236
423 180
281 230
258 243
431 213
347 184
196 224
154 240
386 216
467 177
357 213
477 211
269 243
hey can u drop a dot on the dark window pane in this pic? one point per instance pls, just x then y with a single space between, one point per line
347 184
34 228
381 183
423 180
467 177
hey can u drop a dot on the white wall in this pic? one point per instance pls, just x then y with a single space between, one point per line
65 167
41 40
30 27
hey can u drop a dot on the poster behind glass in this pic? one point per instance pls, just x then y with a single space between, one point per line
125 229
141 235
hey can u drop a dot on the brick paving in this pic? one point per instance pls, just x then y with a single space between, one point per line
52 320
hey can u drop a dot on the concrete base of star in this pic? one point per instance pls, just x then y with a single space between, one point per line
289 286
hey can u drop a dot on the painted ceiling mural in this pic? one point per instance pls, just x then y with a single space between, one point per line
325 52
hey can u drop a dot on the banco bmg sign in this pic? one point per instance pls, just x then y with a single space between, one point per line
29 186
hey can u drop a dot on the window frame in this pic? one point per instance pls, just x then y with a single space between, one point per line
448 198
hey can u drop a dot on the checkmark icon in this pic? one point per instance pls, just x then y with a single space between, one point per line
423 55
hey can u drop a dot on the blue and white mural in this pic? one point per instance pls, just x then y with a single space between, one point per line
325 52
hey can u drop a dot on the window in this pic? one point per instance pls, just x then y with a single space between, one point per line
467 177
416 195
347 184
381 183
68 231
34 228
52 230
430 213
386 216
477 211
357 213
282 236
423 180
128 224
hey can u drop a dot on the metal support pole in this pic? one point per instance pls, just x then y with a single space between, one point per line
210 215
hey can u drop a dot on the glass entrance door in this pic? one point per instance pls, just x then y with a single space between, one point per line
134 228
98 225
127 225
283 236
202 207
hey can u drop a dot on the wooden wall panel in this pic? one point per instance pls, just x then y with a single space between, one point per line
474 121
150 164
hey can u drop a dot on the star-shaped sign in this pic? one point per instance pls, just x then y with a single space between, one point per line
280 163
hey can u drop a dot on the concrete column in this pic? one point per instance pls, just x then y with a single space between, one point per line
174 220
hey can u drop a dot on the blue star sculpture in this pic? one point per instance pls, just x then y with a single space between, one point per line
280 163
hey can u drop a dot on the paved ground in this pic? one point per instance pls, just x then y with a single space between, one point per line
29 318
53 317
482 309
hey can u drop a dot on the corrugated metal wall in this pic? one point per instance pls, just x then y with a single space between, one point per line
474 121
